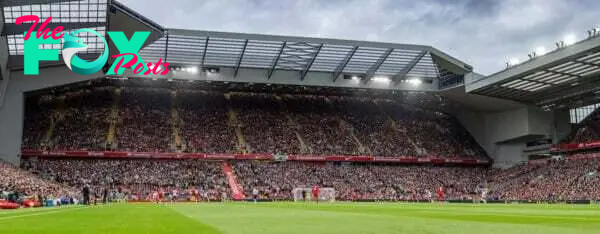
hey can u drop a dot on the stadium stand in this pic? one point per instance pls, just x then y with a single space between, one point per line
204 122
554 180
137 178
358 182
160 119
174 120
25 184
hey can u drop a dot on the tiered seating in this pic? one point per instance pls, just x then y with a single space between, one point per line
584 134
373 127
360 181
437 133
84 121
140 177
205 126
265 126
320 126
290 124
558 180
19 181
145 120
564 180
38 113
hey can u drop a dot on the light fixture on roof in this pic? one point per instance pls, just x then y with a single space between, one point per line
353 77
212 69
593 32
193 70
415 81
570 39
380 79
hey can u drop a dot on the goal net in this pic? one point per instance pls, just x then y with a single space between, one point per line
305 194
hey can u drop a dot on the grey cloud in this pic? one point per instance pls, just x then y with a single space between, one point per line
483 33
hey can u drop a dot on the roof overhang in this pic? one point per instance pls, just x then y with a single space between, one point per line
100 15
304 56
364 59
566 77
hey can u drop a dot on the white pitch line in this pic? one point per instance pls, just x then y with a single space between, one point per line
40 213
28 210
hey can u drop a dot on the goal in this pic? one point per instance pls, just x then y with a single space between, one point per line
325 194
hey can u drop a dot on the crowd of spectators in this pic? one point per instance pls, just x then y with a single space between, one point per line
320 126
37 121
352 182
81 110
134 177
265 125
433 132
145 120
553 180
557 180
583 134
169 119
23 184
205 125
374 128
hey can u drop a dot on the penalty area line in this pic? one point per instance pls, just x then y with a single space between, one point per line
40 213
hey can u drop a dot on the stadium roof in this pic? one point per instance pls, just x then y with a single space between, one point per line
235 50
566 77
69 14
99 15
304 54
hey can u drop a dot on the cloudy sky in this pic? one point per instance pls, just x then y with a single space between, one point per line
483 33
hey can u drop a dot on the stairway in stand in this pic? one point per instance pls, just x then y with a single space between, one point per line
237 191
113 119
237 125
178 143
57 115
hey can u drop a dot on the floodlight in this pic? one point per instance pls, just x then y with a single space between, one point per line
381 79
415 81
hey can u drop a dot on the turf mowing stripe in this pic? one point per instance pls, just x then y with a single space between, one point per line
27 210
40 213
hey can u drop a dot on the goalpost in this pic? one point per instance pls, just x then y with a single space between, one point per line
325 194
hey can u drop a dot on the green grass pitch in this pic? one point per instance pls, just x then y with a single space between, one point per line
267 218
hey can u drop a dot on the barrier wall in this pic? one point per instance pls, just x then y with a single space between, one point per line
310 158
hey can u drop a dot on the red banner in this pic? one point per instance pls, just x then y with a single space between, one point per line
332 158
575 146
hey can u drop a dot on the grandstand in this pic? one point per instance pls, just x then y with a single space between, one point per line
238 112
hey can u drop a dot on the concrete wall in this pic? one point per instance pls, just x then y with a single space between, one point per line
562 125
11 113
4 74
3 59
503 134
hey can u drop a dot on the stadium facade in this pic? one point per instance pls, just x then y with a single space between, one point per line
503 111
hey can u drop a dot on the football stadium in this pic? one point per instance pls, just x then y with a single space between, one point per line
113 123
